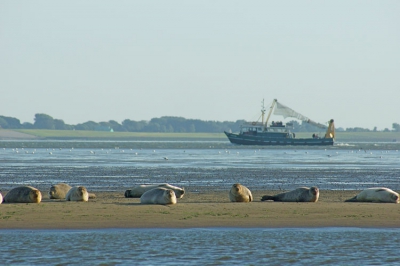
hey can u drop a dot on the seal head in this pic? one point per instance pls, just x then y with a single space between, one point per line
240 193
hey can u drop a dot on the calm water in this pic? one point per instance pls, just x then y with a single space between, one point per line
116 166
342 167
230 246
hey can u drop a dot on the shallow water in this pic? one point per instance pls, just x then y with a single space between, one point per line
226 246
337 167
101 167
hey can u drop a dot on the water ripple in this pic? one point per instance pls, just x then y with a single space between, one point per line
328 246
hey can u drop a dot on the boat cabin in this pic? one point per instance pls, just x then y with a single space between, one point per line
277 124
275 130
250 130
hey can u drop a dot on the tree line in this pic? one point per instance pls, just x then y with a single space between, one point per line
162 124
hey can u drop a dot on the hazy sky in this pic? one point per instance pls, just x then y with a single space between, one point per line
210 60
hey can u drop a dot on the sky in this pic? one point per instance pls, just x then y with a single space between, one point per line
217 60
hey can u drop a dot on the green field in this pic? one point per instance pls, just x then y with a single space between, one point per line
100 135
83 134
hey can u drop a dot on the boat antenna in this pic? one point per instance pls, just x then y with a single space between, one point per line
270 111
262 112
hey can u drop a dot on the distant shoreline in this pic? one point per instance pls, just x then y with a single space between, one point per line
30 134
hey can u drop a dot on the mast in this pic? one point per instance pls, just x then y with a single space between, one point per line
262 112
270 112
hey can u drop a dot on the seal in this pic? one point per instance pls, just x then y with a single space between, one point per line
59 191
240 193
376 194
24 194
77 194
158 195
138 191
301 194
1 198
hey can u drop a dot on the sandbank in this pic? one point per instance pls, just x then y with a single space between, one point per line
199 210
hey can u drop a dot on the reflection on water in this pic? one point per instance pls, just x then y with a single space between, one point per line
228 246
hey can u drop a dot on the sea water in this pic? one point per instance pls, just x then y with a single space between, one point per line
197 246
345 167
342 167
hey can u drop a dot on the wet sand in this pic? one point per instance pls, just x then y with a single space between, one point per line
198 210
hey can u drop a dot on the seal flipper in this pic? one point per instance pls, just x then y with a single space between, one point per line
266 197
127 193
354 199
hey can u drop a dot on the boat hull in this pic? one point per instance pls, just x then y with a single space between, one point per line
266 141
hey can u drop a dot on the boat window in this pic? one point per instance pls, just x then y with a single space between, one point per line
283 130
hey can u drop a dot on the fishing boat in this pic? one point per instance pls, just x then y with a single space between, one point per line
277 133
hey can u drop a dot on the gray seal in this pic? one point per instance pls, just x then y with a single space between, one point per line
301 194
376 194
78 193
59 191
138 191
24 194
240 193
158 195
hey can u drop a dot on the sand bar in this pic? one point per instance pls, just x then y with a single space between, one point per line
198 210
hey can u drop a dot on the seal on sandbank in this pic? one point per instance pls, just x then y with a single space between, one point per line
138 191
24 194
1 198
59 191
78 193
240 193
301 194
158 195
376 194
